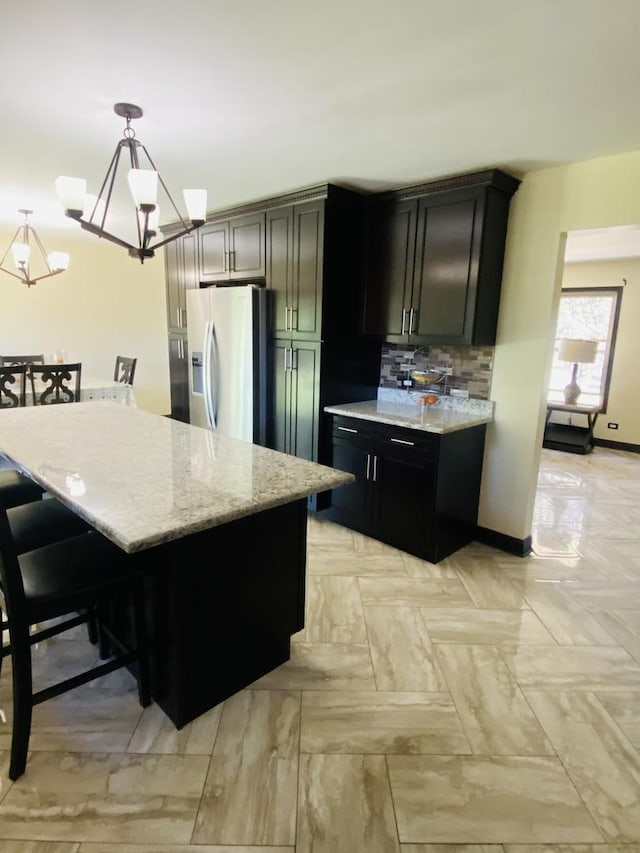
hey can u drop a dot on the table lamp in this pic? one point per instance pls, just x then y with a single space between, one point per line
579 352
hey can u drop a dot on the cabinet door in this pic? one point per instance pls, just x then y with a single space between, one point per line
214 251
179 376
279 410
182 274
247 247
304 370
390 249
446 268
350 504
295 392
405 484
279 272
306 296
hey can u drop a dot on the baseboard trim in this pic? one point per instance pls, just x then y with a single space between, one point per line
617 445
519 547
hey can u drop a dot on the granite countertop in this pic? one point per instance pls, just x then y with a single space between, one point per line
143 479
401 409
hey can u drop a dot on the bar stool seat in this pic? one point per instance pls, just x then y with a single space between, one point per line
72 578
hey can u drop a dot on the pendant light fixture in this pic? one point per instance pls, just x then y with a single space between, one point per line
20 251
92 212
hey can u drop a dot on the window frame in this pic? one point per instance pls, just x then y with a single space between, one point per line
609 352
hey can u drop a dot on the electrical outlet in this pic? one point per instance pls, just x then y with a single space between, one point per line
612 425
459 392
447 371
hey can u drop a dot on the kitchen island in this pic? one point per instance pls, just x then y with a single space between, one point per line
221 525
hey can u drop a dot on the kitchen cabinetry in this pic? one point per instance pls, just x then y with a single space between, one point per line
313 266
233 249
295 239
414 490
179 376
295 397
182 274
433 261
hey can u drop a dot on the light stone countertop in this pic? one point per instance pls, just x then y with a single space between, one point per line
143 479
399 409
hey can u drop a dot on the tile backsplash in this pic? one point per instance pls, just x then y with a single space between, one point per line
470 366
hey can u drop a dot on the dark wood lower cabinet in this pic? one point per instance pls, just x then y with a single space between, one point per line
295 381
414 490
179 376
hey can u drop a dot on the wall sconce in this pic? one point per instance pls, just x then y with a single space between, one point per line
20 249
92 212
579 352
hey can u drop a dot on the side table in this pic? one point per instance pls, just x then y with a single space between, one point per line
569 437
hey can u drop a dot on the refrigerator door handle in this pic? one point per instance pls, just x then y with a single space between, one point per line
209 368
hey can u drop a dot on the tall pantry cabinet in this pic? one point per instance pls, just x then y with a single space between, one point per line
316 355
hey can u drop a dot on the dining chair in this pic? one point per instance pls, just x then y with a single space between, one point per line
13 384
55 383
10 360
66 581
125 369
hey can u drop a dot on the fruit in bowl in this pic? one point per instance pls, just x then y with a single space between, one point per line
428 399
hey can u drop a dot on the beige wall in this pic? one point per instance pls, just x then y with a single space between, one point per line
623 406
105 303
550 202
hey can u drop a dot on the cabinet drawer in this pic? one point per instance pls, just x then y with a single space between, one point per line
353 428
397 441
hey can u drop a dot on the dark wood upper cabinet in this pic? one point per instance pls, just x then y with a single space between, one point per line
233 249
181 269
433 261
295 240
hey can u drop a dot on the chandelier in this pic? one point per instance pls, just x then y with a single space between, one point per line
92 212
20 250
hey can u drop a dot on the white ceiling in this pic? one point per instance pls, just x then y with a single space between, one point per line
251 98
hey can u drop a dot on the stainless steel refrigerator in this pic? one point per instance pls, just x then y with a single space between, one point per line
227 339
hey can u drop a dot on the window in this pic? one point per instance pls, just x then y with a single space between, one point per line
592 314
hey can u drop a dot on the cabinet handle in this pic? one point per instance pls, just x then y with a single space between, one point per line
401 441
368 465
404 316
347 429
226 262
178 322
286 359
287 327
232 256
411 313
375 469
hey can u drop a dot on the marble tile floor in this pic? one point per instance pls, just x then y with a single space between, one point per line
487 704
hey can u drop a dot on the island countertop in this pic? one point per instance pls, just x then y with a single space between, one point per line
448 415
143 479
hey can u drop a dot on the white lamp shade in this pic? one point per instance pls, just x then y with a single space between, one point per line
143 184
196 203
578 350
20 252
58 260
71 192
